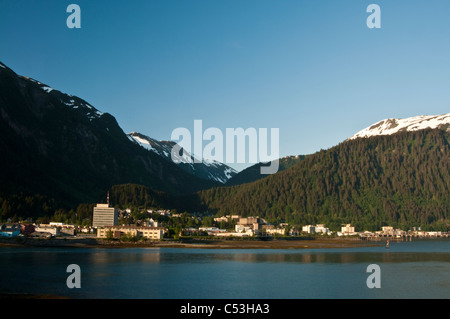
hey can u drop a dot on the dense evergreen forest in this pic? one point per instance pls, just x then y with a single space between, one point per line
400 180
139 196
253 172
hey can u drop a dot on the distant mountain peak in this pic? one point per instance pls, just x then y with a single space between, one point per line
416 123
207 169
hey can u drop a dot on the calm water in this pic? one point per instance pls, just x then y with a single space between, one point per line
418 269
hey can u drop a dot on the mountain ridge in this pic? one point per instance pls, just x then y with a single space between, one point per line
394 125
60 146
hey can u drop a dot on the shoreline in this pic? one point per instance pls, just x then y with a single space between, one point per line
278 243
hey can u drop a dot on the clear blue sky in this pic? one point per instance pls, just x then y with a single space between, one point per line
310 68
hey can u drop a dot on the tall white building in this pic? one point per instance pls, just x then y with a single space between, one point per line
104 215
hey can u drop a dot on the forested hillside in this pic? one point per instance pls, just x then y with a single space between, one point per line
253 173
400 180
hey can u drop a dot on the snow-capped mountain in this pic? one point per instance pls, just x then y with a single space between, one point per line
211 170
59 146
392 126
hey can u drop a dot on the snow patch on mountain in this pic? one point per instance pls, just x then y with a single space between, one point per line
47 89
392 126
145 143
91 112
67 99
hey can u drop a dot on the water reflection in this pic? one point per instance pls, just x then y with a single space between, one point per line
415 271
309 257
128 256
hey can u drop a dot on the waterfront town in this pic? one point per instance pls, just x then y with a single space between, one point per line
106 225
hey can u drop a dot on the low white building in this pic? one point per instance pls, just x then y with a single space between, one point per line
309 229
367 233
320 228
86 230
276 231
56 224
154 233
436 234
347 230
243 229
152 223
391 232
212 231
50 230
231 234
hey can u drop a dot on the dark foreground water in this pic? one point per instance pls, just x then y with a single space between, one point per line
418 269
